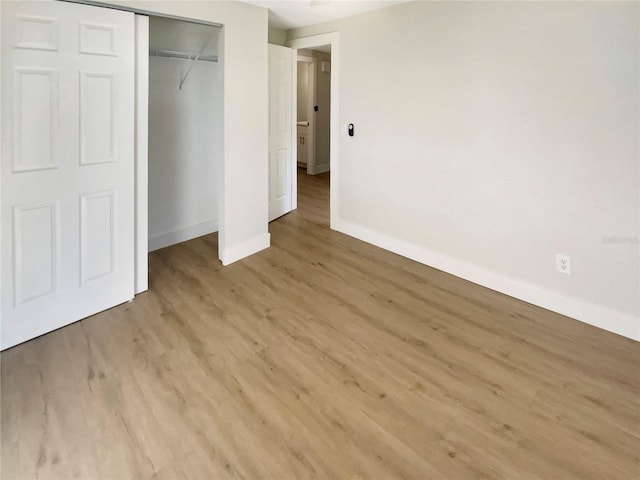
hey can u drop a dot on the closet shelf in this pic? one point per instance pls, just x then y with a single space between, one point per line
183 55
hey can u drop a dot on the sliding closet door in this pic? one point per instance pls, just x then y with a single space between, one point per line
67 164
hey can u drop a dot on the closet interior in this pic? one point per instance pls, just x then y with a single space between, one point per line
184 79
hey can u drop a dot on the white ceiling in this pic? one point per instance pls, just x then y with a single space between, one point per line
286 14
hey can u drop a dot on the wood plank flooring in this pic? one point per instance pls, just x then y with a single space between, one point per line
321 357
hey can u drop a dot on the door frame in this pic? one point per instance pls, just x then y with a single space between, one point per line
141 154
310 42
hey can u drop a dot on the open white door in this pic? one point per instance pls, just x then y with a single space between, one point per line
280 131
67 215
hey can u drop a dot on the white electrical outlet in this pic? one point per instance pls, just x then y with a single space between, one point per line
563 263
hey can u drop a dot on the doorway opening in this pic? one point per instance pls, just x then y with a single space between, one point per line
313 114
318 54
314 109
183 103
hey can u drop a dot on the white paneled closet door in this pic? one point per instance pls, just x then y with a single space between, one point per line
67 211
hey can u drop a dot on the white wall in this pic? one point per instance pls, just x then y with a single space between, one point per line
182 185
243 226
491 136
277 36
303 92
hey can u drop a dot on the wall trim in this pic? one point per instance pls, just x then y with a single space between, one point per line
141 157
182 234
324 168
246 248
597 315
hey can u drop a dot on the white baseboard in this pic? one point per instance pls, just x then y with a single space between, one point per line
321 169
182 235
602 317
246 248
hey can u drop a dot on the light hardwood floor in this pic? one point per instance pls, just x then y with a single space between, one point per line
321 357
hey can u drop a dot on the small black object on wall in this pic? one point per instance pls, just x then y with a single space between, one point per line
351 130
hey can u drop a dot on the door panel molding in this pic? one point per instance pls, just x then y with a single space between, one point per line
97 134
36 253
98 39
36 33
98 220
35 108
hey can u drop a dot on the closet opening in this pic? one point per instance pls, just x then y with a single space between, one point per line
185 95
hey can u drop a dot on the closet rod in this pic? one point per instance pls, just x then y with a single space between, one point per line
182 55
